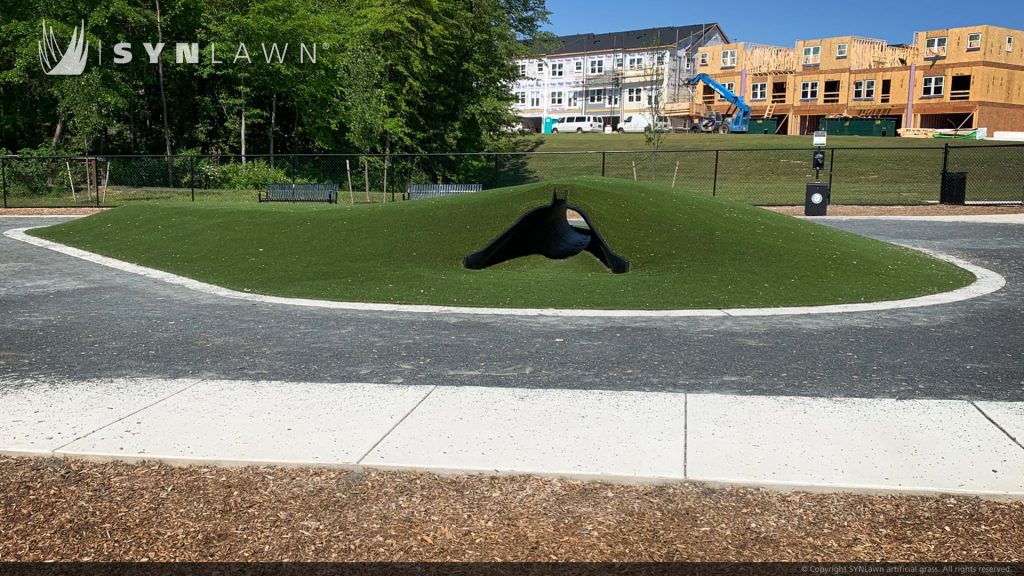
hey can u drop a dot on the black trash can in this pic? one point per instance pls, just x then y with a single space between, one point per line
954 188
816 199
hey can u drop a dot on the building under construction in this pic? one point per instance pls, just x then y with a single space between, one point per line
959 78
610 75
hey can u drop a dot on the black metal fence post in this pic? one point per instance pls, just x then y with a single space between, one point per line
604 156
94 176
831 163
945 170
192 177
494 183
714 185
3 178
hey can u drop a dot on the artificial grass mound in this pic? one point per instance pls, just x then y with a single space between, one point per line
685 250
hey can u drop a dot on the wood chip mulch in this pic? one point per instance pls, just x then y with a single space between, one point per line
55 509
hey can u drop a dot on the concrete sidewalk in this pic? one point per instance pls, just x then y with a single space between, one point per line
917 446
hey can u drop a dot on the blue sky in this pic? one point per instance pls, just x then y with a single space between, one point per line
787 20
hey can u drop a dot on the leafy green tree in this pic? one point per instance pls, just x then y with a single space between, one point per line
391 76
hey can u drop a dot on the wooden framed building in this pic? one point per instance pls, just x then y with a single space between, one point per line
971 77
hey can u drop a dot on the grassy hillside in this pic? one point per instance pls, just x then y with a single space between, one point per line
686 250
772 170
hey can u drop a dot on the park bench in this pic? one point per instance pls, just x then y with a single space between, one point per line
416 191
300 193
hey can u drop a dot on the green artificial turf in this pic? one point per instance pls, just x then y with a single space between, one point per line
686 251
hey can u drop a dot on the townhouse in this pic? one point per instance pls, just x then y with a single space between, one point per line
611 75
970 77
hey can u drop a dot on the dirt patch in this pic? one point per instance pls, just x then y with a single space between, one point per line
928 210
49 211
72 510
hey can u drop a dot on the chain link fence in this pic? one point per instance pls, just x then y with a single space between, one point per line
992 174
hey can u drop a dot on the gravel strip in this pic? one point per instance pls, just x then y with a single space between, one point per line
49 211
55 509
929 210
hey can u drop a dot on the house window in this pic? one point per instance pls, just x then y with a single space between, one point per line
1009 43
636 62
520 97
613 97
728 86
661 59
574 99
579 65
812 55
653 98
522 70
540 67
703 58
864 90
595 96
535 99
809 91
842 50
728 58
935 47
633 94
558 70
557 98
759 91
974 41
618 61
933 86
596 66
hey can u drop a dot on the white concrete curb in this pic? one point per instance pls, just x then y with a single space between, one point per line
986 282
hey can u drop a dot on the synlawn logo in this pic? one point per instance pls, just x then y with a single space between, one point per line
71 61
68 62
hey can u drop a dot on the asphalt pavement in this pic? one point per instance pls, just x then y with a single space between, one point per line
62 318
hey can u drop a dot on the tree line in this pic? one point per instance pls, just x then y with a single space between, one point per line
390 76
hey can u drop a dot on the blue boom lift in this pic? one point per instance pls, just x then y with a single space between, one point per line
738 123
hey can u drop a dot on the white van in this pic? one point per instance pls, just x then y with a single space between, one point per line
579 124
641 123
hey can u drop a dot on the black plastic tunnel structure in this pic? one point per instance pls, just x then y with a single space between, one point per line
546 231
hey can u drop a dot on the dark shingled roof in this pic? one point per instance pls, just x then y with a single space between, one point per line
631 39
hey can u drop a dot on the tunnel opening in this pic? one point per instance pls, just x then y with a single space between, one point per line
546 230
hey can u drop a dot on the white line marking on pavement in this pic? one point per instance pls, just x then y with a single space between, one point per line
986 282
